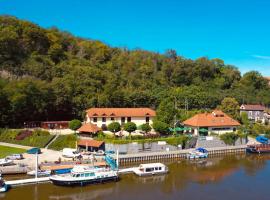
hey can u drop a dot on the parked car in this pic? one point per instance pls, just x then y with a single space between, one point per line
34 150
70 153
15 157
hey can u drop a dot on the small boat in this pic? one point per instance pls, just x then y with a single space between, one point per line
39 173
151 169
5 162
83 175
198 153
3 185
258 148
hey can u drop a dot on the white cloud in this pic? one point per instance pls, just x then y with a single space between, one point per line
261 57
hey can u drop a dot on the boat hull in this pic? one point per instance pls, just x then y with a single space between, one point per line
84 182
151 173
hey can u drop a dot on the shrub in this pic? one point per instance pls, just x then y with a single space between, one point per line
130 127
229 138
160 127
114 127
74 124
23 134
146 128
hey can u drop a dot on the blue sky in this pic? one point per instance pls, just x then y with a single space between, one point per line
236 31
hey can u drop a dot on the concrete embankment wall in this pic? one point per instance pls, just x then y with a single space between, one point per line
150 156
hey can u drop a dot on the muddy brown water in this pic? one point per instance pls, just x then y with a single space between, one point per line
224 178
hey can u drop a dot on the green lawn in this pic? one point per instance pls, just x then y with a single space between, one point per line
5 151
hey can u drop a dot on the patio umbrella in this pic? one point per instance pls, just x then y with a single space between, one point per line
186 129
179 129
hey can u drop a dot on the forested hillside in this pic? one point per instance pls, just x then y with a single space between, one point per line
47 74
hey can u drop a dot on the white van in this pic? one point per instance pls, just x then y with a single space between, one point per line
70 153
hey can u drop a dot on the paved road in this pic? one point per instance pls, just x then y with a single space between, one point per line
15 145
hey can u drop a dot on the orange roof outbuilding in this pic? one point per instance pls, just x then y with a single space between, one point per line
89 128
120 112
215 119
90 143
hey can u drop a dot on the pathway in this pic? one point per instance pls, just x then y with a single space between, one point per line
15 145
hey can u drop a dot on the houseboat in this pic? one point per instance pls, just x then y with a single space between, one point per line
150 169
83 175
3 185
198 153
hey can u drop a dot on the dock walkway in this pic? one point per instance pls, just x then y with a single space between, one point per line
27 181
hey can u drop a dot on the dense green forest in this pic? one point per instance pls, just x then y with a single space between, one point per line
47 74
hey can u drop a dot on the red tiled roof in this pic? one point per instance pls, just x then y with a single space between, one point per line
121 112
215 119
252 107
90 143
89 128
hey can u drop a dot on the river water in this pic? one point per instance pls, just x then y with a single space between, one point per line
224 178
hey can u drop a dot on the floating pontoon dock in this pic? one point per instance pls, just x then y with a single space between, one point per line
27 181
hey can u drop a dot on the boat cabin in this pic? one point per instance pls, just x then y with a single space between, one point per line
151 169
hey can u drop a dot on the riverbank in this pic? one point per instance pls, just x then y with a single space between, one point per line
223 177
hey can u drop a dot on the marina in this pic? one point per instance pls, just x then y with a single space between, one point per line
212 176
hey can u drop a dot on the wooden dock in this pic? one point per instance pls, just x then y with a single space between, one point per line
27 181
149 156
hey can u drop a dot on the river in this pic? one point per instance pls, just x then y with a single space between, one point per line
223 178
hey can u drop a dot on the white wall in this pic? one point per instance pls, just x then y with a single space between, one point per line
211 129
137 120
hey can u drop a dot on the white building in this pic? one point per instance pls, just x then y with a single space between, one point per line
216 122
102 117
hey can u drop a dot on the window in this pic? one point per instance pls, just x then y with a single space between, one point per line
156 168
94 119
147 119
159 168
103 119
149 169
112 118
123 119
129 119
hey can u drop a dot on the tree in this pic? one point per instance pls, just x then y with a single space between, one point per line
146 128
160 127
74 124
130 127
114 127
230 106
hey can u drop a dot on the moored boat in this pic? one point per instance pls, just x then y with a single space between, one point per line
83 175
3 185
5 162
258 148
150 169
198 153
39 173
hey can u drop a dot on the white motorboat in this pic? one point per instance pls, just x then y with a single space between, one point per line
83 175
39 173
198 153
3 185
150 169
5 161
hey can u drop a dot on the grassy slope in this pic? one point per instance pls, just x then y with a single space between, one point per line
8 135
5 151
64 141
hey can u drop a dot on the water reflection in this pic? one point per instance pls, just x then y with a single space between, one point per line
212 175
